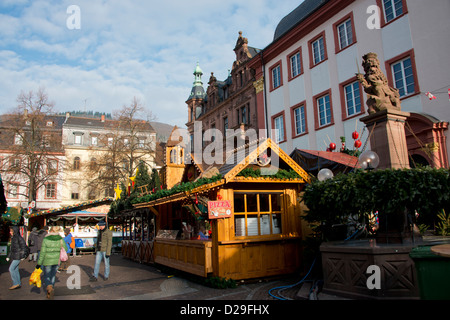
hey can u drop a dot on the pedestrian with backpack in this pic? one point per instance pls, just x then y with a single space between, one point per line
70 242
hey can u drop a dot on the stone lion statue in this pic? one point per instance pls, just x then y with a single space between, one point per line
380 95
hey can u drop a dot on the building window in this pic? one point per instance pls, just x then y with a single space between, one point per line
141 144
93 164
276 76
52 166
257 214
242 115
18 139
324 110
225 124
110 141
318 50
279 127
76 163
13 190
299 120
352 98
344 32
392 9
50 191
78 139
75 191
14 163
403 77
94 141
295 64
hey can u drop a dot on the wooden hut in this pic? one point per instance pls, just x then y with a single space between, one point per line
238 220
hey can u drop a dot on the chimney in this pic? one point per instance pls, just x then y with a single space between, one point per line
103 118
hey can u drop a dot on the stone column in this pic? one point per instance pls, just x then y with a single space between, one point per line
387 137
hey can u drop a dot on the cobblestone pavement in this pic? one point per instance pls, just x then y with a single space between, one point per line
130 280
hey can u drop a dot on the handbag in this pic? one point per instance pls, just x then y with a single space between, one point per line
63 254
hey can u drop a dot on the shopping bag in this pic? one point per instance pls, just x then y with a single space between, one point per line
63 254
35 278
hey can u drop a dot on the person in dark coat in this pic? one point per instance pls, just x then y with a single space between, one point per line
33 240
41 235
18 251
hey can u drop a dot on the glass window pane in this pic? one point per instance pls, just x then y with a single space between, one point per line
276 223
239 226
264 202
252 202
252 225
265 224
276 201
239 204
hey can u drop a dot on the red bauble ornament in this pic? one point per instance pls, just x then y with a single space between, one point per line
332 146
355 135
358 144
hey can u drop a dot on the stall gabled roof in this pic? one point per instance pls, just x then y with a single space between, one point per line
249 154
71 208
238 159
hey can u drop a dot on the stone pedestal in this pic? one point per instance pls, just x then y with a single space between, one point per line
387 137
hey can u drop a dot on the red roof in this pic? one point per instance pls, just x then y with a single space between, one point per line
339 157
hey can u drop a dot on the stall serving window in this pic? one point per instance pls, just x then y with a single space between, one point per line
257 213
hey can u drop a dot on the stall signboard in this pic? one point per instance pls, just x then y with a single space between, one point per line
219 209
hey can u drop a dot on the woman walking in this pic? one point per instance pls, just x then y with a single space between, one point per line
19 251
49 258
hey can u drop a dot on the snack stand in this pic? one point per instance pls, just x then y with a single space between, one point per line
254 220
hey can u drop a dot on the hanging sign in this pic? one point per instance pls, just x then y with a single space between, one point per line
219 209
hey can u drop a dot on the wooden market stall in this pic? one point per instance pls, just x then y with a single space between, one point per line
239 220
81 218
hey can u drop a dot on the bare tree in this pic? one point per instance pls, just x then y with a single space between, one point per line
31 144
130 141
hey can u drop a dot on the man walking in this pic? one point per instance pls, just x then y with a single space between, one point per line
103 250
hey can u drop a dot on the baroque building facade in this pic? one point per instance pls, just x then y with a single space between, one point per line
226 106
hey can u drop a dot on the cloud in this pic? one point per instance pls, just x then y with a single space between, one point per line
123 49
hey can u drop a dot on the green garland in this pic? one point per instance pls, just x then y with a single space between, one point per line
279 174
182 187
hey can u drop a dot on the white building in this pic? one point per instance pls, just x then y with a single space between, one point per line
311 95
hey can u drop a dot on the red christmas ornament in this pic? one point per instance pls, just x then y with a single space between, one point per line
358 144
332 146
355 135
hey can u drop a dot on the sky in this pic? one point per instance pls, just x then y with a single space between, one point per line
97 55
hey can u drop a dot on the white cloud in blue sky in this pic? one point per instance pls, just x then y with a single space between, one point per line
125 49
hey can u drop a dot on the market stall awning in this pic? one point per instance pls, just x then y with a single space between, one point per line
71 208
313 160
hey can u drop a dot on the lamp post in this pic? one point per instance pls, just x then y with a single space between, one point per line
369 160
